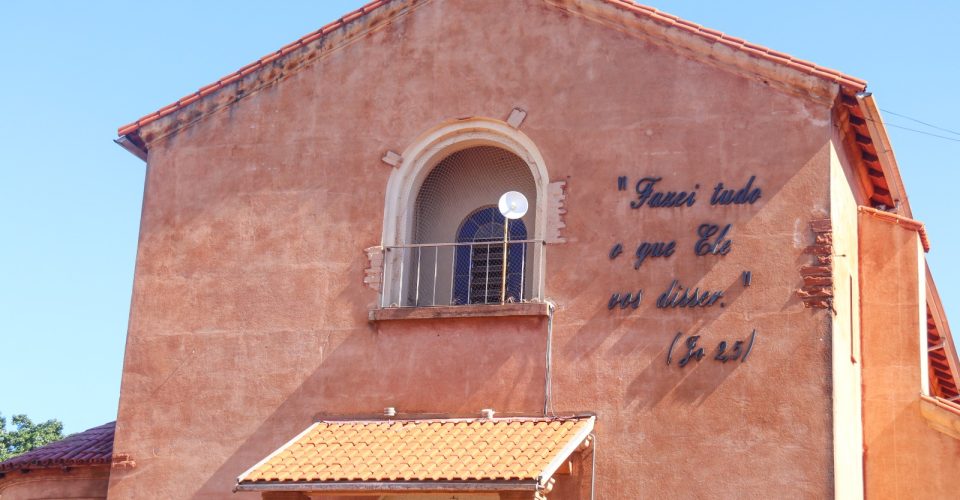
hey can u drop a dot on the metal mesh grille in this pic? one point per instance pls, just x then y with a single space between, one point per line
465 181
457 255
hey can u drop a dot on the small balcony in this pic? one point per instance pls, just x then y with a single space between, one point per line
462 275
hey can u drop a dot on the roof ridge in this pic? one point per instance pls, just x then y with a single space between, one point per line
741 44
252 67
656 15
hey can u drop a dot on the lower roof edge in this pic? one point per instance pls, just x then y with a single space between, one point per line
410 486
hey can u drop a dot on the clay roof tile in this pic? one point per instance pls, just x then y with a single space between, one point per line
512 448
90 447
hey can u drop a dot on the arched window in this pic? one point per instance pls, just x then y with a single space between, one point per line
441 224
479 277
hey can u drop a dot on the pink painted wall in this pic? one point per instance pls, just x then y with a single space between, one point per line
903 456
86 483
249 316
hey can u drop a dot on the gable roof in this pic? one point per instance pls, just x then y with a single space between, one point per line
253 67
849 83
90 447
711 35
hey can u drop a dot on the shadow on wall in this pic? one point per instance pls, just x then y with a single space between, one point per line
768 240
454 366
463 365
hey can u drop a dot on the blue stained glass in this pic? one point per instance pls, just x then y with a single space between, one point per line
478 268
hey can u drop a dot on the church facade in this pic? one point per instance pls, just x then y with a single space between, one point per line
706 279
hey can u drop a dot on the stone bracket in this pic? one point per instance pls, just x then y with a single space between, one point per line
392 158
516 117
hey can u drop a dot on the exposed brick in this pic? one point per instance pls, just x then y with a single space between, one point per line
819 249
821 226
817 281
818 304
123 461
817 288
556 211
816 271
373 274
806 292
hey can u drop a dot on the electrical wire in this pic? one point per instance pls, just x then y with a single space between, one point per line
893 125
920 122
922 132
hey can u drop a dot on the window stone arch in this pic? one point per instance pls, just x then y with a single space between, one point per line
419 160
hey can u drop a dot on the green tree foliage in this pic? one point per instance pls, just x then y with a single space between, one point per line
27 435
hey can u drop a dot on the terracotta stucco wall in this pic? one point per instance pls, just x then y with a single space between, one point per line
903 458
249 316
77 483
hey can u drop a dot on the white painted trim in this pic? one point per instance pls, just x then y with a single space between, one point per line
430 148
888 161
277 451
922 311
561 456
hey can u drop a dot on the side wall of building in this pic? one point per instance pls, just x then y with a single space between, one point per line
76 483
904 457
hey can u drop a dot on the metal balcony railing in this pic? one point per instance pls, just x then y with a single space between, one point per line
450 274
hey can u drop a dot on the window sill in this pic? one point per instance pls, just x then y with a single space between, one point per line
471 311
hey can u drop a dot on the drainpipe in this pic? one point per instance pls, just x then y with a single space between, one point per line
548 375
593 466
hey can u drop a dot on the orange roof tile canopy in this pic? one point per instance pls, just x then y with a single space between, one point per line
505 454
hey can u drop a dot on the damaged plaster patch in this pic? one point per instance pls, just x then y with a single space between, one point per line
373 274
556 211
817 288
797 233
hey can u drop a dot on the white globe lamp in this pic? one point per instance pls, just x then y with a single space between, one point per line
512 205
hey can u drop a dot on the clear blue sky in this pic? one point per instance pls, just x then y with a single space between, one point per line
70 199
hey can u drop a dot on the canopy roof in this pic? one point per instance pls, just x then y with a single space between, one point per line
513 453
